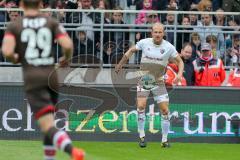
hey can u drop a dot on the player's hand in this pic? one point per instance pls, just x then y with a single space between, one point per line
177 79
63 62
118 67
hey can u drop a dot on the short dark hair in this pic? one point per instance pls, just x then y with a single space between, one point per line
186 44
210 38
31 3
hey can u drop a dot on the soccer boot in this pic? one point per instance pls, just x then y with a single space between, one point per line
78 154
142 142
165 144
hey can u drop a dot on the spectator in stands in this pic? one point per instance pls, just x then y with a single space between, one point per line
60 4
60 15
194 4
196 45
169 30
219 19
170 76
120 3
184 5
151 18
205 5
103 5
115 42
183 37
208 70
212 40
206 27
85 18
234 76
13 15
89 18
137 3
142 16
193 17
11 4
233 54
157 4
233 22
186 54
160 4
2 3
83 48
172 5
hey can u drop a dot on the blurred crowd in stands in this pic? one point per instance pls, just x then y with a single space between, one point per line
197 29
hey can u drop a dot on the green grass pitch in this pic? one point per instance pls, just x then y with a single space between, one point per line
32 150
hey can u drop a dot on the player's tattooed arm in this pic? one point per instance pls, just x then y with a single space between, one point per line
125 58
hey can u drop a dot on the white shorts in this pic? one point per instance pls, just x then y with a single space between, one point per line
159 92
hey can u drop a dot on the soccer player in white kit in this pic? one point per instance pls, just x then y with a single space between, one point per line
156 53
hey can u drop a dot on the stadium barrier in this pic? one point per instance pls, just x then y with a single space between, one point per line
108 113
100 49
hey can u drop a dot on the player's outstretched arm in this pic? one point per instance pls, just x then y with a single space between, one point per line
180 65
125 58
8 47
67 48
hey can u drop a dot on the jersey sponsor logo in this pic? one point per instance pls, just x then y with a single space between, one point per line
151 58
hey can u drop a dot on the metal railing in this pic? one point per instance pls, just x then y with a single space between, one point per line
98 42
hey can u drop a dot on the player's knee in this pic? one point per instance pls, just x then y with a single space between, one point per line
141 105
165 111
141 108
165 116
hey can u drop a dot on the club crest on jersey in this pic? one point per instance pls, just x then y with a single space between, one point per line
162 51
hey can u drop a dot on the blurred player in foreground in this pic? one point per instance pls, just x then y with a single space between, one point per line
29 40
156 54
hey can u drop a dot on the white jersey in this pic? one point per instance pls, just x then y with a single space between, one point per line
155 57
156 54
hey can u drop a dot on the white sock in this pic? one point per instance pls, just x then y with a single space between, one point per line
141 123
165 127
